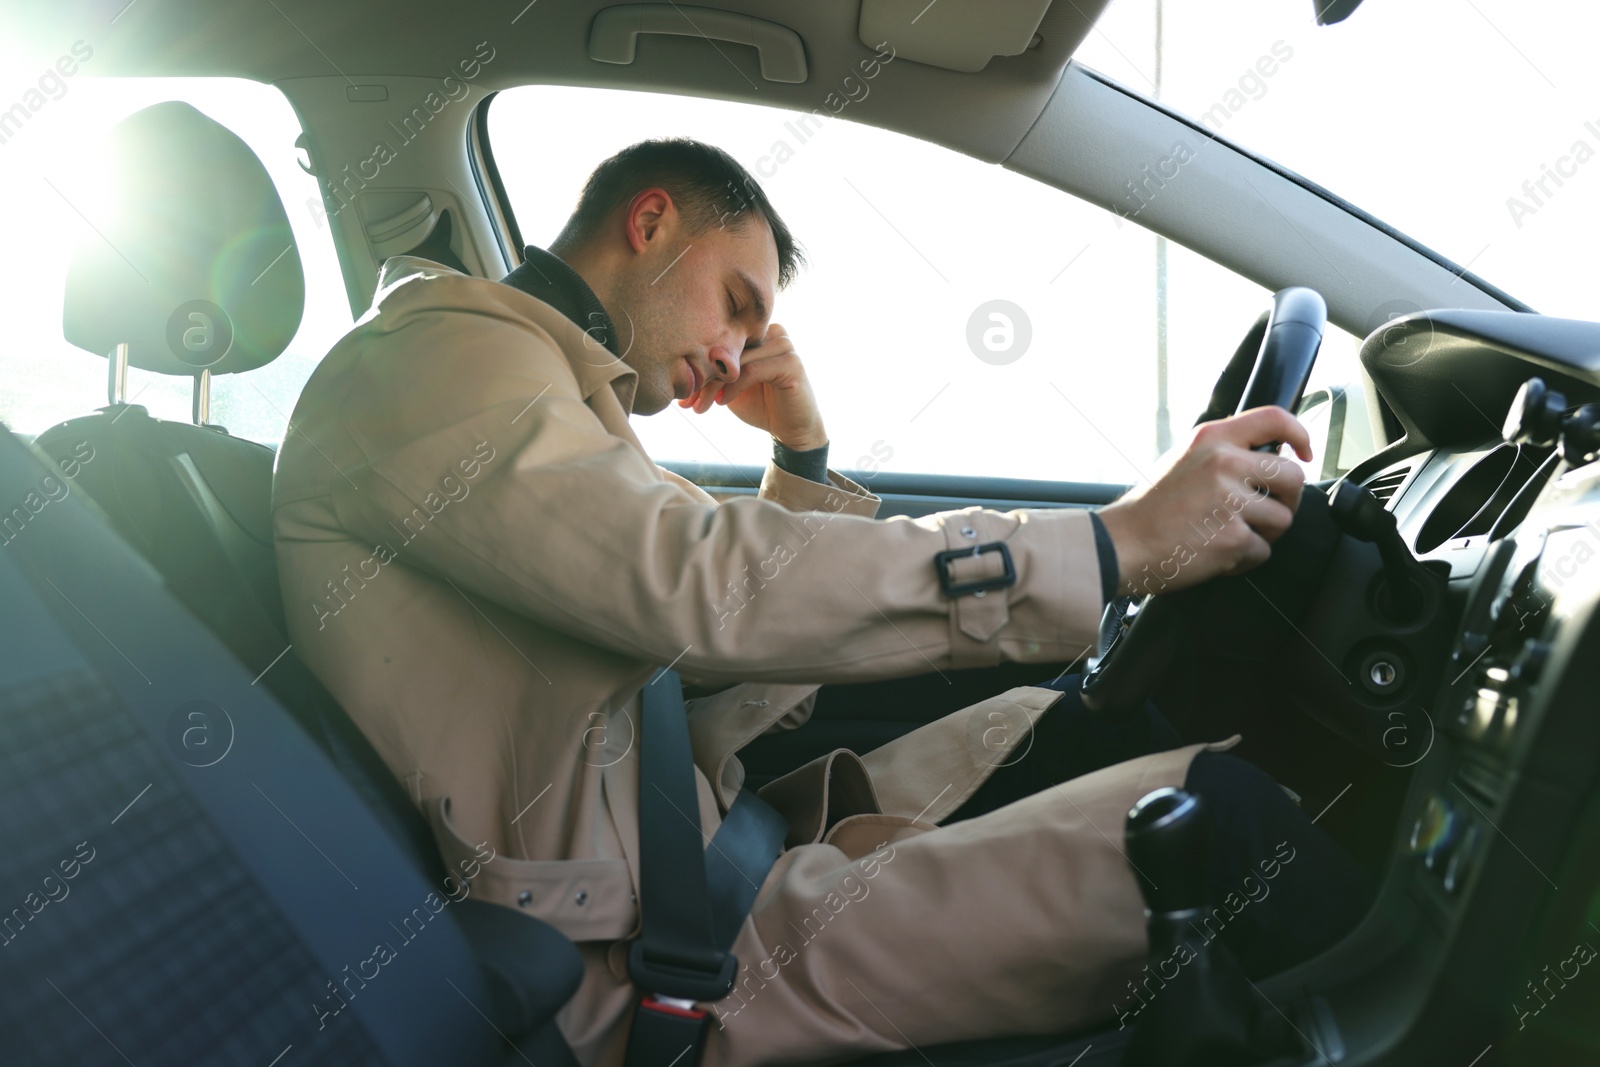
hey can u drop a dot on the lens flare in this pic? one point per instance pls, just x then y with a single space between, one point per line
1436 826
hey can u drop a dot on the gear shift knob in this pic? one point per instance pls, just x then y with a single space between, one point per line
1168 837
1201 1010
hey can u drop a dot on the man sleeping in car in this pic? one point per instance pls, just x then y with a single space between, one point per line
483 564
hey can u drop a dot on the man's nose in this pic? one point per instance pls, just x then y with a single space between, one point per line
725 362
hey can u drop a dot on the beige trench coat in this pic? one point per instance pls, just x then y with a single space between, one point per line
481 562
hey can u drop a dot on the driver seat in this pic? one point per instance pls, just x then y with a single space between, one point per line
199 276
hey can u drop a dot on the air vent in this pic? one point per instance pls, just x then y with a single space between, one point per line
1385 485
1480 494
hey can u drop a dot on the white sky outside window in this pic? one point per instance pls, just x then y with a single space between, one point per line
906 241
1429 114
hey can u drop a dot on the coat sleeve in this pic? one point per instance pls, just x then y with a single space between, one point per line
575 528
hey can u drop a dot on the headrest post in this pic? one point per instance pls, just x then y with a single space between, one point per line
202 397
117 374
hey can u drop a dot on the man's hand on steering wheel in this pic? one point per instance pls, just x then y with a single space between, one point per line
1216 508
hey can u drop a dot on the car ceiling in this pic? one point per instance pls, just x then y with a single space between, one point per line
1074 133
984 114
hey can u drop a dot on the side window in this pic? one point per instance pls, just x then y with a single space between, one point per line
53 177
955 318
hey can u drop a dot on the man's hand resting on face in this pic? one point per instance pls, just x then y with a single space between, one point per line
770 392
1160 530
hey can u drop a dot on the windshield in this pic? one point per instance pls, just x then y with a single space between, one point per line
1472 126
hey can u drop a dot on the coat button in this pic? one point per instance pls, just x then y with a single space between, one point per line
524 898
582 898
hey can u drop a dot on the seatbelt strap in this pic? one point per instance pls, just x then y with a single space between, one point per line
742 851
674 953
692 899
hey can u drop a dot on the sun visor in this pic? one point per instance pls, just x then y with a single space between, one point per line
192 262
954 34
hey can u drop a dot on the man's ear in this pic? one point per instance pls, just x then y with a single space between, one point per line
650 214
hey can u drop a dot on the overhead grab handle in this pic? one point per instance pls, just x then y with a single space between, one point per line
614 37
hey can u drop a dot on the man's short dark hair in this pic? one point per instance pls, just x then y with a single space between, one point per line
709 187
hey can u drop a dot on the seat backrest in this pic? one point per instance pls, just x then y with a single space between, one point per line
264 835
185 878
198 224
196 504
197 274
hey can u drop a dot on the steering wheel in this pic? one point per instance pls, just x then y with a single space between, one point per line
1285 341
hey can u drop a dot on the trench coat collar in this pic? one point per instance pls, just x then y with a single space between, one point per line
546 276
547 279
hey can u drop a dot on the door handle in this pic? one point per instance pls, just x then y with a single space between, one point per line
614 36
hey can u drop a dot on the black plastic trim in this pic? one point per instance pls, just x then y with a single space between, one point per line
484 167
1511 302
747 477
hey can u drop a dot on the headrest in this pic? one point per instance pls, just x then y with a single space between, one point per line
197 266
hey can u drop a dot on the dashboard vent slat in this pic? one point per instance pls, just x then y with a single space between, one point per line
1385 485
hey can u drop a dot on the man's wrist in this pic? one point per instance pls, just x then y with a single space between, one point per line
1121 532
808 463
1106 551
809 441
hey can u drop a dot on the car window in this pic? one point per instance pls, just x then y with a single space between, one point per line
956 317
53 176
1504 91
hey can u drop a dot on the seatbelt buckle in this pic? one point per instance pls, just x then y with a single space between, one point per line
666 1032
710 978
675 1006
953 588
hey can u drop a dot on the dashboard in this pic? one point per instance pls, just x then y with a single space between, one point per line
1521 593
1490 909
